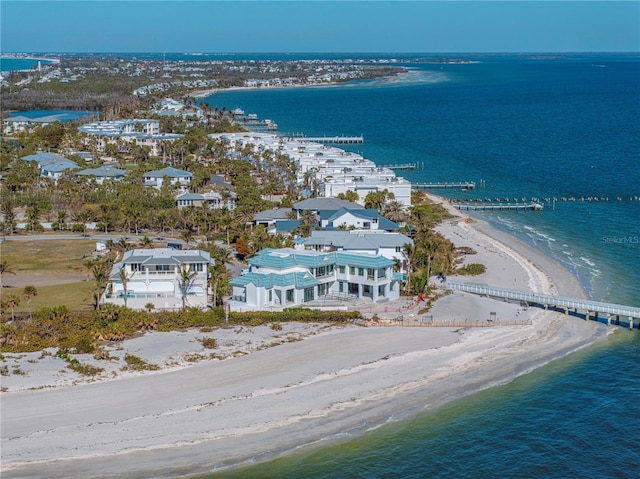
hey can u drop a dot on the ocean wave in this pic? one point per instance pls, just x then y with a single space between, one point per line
587 260
410 77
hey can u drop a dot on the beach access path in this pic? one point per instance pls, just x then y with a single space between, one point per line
190 418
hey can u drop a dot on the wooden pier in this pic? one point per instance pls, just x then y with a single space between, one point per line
465 185
405 166
498 207
596 310
336 140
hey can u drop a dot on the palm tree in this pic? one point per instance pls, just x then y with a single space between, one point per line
292 215
124 277
149 307
221 256
12 301
28 293
33 215
146 242
61 218
410 251
186 235
394 211
308 220
100 271
5 268
225 223
218 281
187 277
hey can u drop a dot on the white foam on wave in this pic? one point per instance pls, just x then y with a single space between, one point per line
410 77
587 260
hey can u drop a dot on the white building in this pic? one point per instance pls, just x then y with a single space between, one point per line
281 278
328 171
104 173
381 243
180 178
142 132
156 276
51 165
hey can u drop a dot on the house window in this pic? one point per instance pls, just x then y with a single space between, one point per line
136 267
352 270
341 269
371 273
308 294
196 267
270 295
381 290
366 225
360 271
289 296
398 249
341 286
323 289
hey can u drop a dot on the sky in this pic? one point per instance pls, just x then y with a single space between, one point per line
318 26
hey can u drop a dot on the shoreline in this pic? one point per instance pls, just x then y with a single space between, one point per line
199 94
336 382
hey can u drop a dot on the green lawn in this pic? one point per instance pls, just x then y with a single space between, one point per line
55 256
75 296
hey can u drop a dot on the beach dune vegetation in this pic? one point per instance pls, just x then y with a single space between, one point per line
472 269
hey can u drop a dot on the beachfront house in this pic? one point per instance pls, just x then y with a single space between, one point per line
380 243
282 278
157 276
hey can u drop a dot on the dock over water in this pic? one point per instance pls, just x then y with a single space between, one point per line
465 185
616 313
498 206
336 140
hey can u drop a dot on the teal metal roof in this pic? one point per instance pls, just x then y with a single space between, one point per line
288 258
298 280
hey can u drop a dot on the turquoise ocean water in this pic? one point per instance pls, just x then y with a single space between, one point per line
12 64
544 126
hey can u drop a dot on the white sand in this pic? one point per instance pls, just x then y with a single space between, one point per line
190 417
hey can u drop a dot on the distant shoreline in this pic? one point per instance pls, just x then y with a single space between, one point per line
36 59
199 94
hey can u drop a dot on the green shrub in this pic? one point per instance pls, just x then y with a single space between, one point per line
473 269
134 363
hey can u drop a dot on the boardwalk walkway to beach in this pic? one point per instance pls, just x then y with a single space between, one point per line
591 309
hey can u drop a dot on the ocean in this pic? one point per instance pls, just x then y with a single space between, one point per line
520 126
8 64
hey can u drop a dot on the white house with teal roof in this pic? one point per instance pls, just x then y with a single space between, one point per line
283 278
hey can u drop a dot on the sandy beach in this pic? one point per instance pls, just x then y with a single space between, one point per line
262 392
